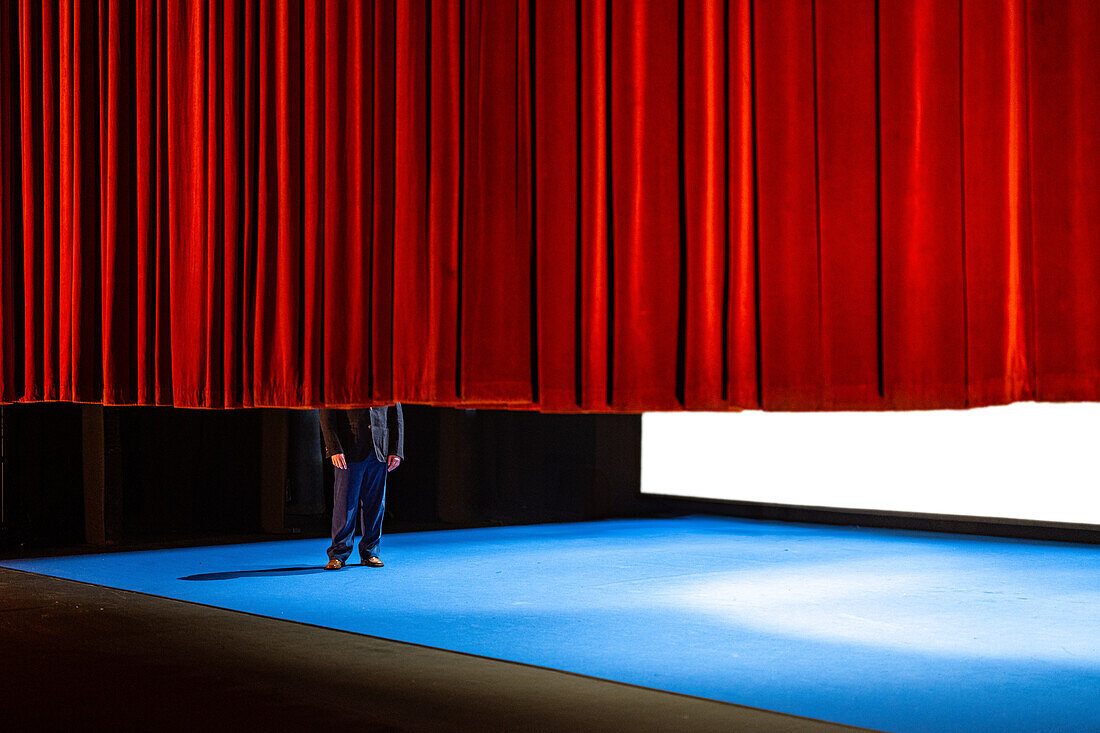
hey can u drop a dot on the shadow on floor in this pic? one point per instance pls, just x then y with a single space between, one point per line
266 573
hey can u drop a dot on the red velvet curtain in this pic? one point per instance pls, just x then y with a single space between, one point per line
567 205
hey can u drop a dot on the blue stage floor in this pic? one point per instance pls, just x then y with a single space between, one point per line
899 631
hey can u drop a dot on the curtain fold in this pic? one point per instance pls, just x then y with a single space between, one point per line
622 205
1063 100
703 203
847 203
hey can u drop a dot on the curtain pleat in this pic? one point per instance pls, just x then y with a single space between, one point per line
847 197
415 312
739 294
496 297
229 139
565 206
787 229
311 318
379 324
116 188
924 297
704 253
12 78
1063 93
40 254
594 237
190 244
646 286
997 203
557 134
346 180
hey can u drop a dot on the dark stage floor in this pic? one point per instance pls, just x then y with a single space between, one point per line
77 656
891 630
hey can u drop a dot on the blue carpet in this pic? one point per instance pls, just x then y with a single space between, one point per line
899 631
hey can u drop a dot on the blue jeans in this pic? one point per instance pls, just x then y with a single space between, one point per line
359 494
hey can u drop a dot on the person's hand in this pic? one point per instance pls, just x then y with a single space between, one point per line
393 462
339 462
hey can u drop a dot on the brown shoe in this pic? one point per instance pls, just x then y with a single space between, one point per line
334 564
374 562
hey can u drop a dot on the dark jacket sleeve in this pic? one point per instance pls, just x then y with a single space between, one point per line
329 431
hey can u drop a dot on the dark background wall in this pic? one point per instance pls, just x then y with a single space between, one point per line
41 499
87 475
159 474
188 472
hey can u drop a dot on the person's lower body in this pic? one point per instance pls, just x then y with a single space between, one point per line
359 503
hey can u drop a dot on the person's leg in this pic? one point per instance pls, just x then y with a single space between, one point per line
372 500
345 505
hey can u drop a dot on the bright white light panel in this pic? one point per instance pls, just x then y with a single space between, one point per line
1026 461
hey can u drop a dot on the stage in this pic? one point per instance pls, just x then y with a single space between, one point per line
892 630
